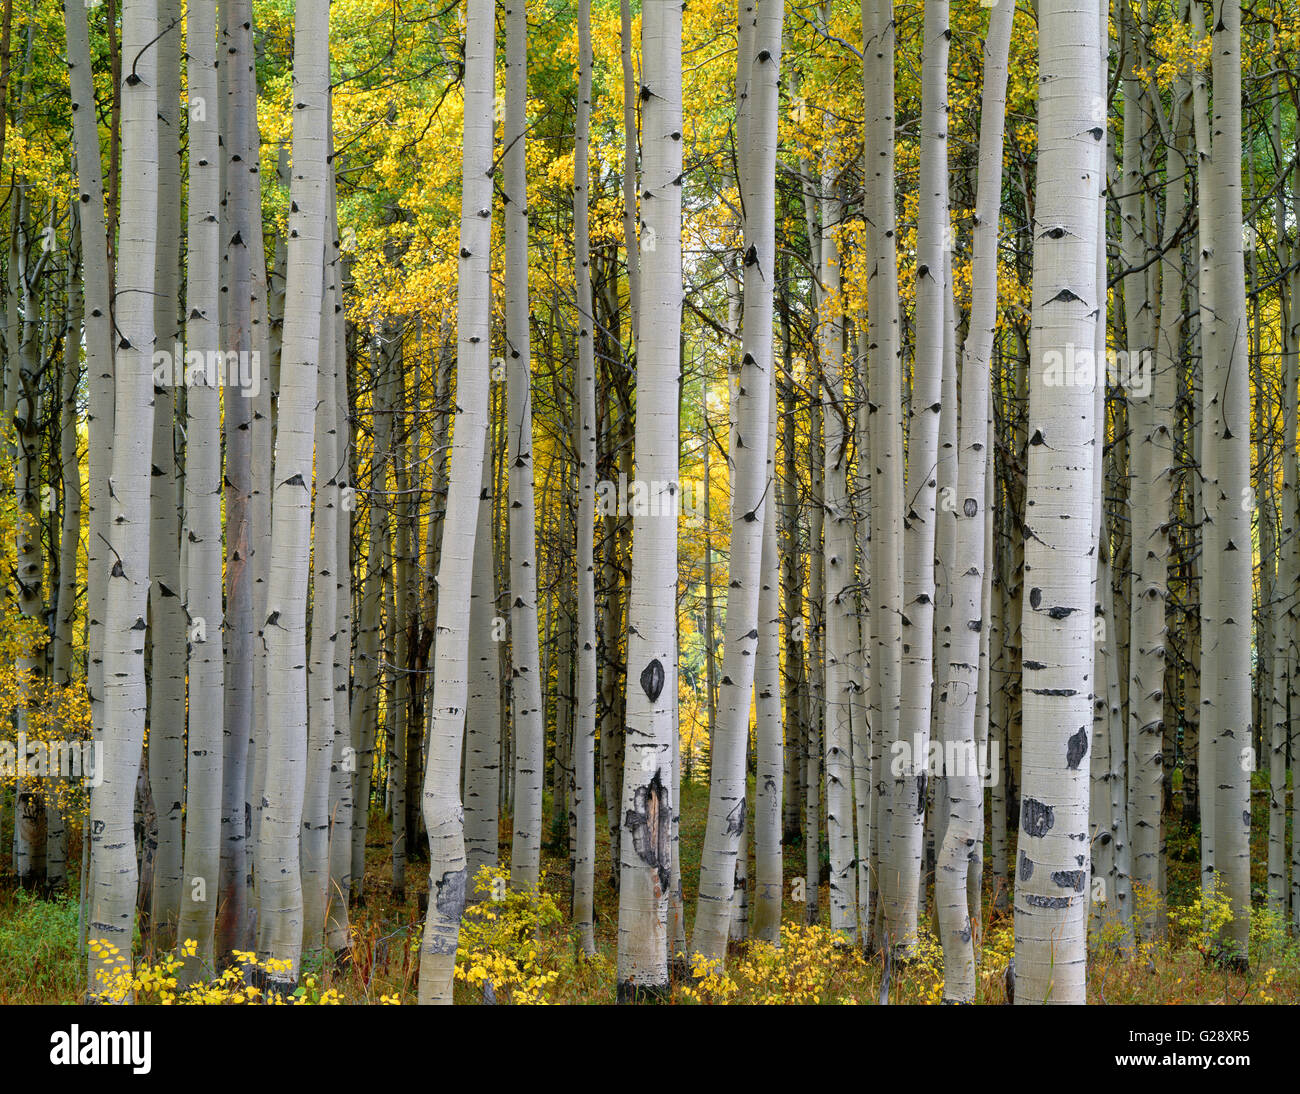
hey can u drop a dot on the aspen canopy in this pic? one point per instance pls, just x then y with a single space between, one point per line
562 501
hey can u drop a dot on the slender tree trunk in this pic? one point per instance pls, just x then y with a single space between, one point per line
167 624
752 488
483 729
885 370
112 904
1227 573
284 630
242 220
315 840
525 688
203 487
903 868
964 831
770 752
443 813
365 712
583 819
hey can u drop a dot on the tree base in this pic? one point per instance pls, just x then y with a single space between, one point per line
629 992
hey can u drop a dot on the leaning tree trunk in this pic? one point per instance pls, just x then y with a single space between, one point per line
1051 898
646 810
113 864
443 814
280 897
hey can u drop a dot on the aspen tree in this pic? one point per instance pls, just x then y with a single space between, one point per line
483 718
203 486
900 905
525 687
752 486
1227 573
583 819
885 402
839 574
646 806
284 630
770 752
241 221
365 712
315 840
99 347
112 849
964 829
443 813
1052 869
167 630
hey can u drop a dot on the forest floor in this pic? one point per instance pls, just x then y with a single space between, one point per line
526 948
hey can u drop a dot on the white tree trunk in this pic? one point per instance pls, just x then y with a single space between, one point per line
1227 574
646 809
903 869
751 484
167 634
113 865
964 797
443 814
582 821
1053 860
525 689
203 489
284 630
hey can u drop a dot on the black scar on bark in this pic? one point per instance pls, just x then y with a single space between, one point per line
736 819
1035 596
650 823
1035 817
1070 879
1076 748
970 507
1036 901
652 679
1034 664
1026 869
920 793
450 895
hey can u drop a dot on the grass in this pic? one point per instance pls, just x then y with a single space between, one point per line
38 938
